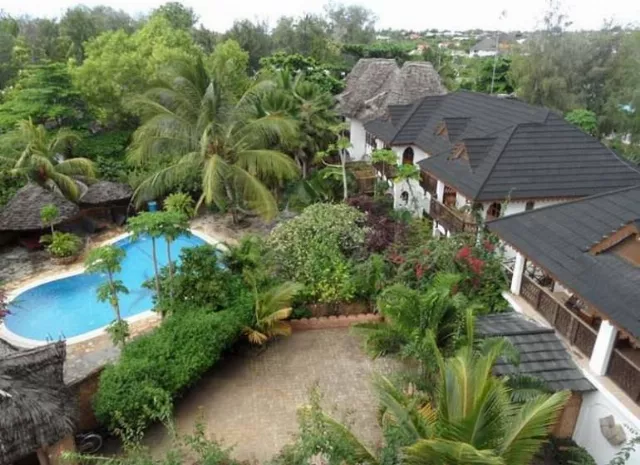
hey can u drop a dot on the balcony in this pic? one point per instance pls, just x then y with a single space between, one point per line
453 220
581 334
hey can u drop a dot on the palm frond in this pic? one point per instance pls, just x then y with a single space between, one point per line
268 164
530 426
442 451
77 166
254 193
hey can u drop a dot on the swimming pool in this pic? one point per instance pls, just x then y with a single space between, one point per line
68 307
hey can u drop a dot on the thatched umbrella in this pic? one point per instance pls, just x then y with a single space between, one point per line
37 409
22 213
105 193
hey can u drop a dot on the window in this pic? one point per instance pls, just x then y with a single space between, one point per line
494 211
529 206
449 198
407 156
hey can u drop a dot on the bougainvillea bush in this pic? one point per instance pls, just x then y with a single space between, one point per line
483 279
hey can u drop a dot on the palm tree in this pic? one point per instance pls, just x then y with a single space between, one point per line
191 116
271 308
311 107
469 417
42 159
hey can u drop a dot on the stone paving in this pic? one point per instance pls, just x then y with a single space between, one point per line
249 401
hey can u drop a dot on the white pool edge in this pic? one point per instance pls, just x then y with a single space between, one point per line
20 341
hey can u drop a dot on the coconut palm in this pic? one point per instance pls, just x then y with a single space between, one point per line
191 117
311 107
468 418
42 159
271 308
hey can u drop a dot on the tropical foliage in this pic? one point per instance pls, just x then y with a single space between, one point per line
192 117
41 159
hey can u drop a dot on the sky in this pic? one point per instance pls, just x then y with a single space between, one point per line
219 15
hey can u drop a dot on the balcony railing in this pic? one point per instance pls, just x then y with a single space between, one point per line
451 219
568 323
625 373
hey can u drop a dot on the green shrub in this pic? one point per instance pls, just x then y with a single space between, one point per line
180 202
62 245
200 280
108 144
156 367
315 248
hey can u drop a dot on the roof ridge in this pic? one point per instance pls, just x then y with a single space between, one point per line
407 117
570 202
479 190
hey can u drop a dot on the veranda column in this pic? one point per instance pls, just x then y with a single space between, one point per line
518 271
440 192
601 354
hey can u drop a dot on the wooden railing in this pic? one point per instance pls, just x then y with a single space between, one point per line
451 219
578 332
428 183
625 373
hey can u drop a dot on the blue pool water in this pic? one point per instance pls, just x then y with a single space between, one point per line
68 307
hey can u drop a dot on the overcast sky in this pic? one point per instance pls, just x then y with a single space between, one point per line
409 14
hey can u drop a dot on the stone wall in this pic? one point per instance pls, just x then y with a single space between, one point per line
327 322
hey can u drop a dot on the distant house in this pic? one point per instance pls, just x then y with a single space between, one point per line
373 85
484 157
577 270
492 46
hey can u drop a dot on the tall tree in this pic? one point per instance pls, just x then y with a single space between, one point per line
41 159
193 117
119 65
43 93
230 62
252 37
178 15
351 24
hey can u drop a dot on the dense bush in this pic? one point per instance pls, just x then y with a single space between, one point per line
108 144
62 245
155 368
314 249
201 280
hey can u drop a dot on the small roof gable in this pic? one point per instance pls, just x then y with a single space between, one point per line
559 239
542 353
22 213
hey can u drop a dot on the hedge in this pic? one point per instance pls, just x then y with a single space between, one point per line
155 368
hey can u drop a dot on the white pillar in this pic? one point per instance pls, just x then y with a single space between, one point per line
440 192
518 271
602 349
357 138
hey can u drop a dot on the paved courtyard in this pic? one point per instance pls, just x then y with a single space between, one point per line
249 401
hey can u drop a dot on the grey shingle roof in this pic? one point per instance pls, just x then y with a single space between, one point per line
558 238
542 354
516 150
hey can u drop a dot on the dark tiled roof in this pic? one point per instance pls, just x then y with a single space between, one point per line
542 354
558 239
516 150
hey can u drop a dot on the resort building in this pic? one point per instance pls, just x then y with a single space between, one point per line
577 270
373 85
482 157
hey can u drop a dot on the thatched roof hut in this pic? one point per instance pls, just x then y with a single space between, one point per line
376 83
22 213
37 408
106 192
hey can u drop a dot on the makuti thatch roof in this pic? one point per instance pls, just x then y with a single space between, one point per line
376 83
36 408
105 192
22 213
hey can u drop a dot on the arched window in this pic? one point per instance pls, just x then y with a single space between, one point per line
528 206
494 211
404 197
407 156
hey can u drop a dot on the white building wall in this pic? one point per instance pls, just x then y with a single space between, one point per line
357 137
597 405
419 202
